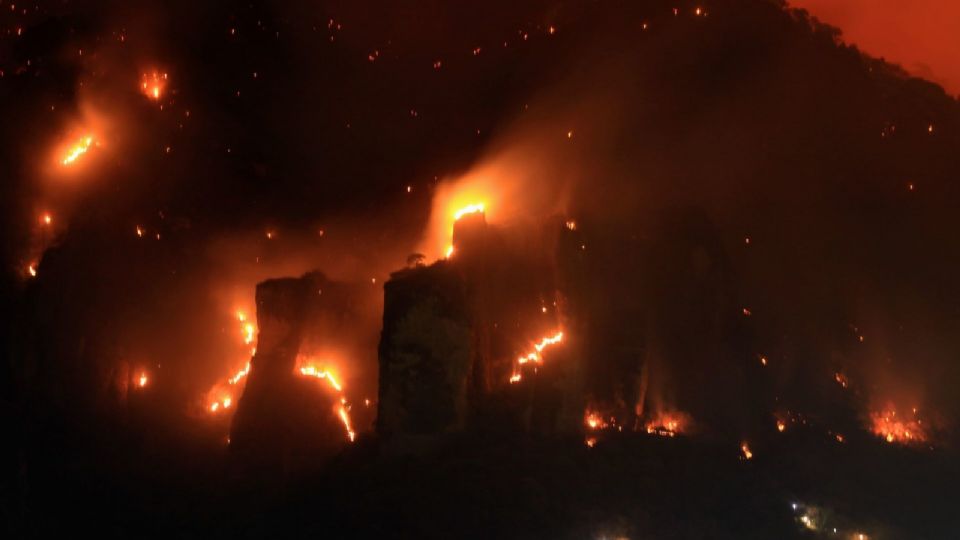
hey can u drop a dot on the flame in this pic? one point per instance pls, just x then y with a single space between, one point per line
887 425
469 209
745 449
594 420
466 210
32 269
223 394
46 218
249 329
667 424
345 418
77 150
534 355
142 380
240 374
153 84
311 370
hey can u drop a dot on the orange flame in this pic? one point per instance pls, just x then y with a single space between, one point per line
745 449
667 424
534 355
466 210
153 84
224 396
311 370
77 150
887 425
469 209
594 420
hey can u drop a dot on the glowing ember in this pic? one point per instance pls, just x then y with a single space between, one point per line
153 84
892 428
745 449
32 270
46 219
142 380
841 379
781 426
77 150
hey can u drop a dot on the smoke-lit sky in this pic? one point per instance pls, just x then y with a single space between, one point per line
920 35
765 217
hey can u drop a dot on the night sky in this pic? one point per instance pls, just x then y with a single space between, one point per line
731 164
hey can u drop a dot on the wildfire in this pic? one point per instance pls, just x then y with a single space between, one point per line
666 424
470 209
249 329
77 150
153 84
535 355
345 418
466 210
312 371
343 408
225 395
240 374
594 420
893 429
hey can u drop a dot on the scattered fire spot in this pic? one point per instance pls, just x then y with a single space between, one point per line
153 84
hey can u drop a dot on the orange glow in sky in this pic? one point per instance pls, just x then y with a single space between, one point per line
919 35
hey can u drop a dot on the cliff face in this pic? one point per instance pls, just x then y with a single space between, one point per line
426 353
281 413
452 333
